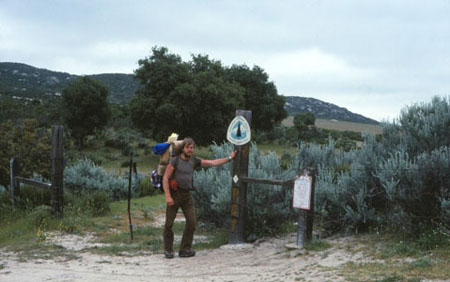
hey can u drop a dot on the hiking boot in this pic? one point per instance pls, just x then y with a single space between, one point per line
186 254
168 255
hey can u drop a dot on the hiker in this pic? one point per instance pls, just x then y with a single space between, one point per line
177 185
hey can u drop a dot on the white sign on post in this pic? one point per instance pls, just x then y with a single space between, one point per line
302 192
239 131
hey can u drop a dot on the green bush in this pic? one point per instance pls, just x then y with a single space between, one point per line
146 188
85 175
30 144
399 180
40 214
269 206
31 196
93 203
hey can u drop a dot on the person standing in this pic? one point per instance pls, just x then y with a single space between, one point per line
177 185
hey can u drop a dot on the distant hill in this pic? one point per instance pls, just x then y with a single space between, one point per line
323 110
26 81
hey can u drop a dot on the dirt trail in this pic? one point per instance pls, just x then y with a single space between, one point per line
266 260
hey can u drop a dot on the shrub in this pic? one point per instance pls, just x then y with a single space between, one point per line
85 175
94 203
146 188
400 180
269 206
27 142
40 214
31 197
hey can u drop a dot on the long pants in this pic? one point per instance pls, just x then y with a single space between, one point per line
183 199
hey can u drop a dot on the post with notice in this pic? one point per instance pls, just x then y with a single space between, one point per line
304 201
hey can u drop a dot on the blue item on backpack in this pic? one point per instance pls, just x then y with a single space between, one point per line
160 148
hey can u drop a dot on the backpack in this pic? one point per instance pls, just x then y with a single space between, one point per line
165 151
157 178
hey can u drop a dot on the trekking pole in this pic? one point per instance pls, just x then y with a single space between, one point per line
129 195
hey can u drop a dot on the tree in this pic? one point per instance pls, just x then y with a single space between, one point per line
85 108
27 142
152 109
261 96
215 97
190 98
304 122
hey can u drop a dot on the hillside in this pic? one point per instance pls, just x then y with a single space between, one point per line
24 81
323 110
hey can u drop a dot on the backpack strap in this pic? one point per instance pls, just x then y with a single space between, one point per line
177 161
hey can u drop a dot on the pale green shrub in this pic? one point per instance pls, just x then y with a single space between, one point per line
269 206
85 175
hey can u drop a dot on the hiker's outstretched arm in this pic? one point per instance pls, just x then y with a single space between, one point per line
217 162
167 175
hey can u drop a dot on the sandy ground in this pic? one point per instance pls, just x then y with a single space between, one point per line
270 259
265 260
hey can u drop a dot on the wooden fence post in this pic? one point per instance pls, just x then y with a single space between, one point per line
239 188
57 190
15 188
129 194
306 217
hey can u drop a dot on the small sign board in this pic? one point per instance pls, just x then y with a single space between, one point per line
302 192
239 131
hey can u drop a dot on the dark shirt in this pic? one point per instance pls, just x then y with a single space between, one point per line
184 170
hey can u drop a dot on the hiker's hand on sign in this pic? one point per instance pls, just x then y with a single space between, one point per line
233 154
169 201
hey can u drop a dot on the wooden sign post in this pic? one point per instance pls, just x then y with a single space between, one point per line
57 170
129 194
304 201
14 186
240 171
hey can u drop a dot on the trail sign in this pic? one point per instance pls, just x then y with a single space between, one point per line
239 135
239 131
302 192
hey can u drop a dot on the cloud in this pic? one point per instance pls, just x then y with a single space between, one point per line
313 63
119 48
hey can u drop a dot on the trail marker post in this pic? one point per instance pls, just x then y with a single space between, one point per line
239 134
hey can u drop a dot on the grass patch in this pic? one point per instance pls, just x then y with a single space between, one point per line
340 125
396 257
399 249
317 245
40 250
398 270
113 229
216 239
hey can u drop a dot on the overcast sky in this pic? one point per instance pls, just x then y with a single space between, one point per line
371 57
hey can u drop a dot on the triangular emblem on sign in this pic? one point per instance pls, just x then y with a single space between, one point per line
239 131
